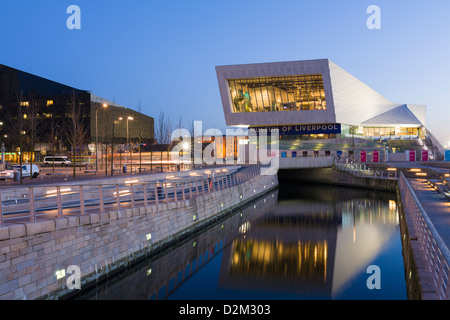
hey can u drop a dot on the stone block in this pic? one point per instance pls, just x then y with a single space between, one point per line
95 218
17 230
61 223
40 227
113 215
85 219
4 233
135 211
104 216
121 214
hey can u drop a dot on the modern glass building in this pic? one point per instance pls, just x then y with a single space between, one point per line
35 108
316 99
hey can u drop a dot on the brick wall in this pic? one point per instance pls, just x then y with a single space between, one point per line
101 243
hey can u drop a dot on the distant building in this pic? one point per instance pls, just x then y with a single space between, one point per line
20 91
315 104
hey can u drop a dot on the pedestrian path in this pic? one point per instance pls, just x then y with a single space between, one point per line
436 205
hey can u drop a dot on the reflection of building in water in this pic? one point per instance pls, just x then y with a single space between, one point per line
274 259
309 247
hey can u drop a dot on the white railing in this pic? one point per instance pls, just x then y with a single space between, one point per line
436 252
364 171
32 203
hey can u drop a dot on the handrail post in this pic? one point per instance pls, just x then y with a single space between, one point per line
32 209
59 201
182 191
167 194
196 187
1 209
102 205
156 193
145 194
190 189
175 191
82 200
132 195
117 196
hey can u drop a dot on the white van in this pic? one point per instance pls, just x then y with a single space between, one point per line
26 171
57 160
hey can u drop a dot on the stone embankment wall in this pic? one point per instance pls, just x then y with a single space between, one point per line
99 244
333 176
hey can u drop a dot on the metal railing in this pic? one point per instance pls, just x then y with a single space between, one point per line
364 171
436 252
32 203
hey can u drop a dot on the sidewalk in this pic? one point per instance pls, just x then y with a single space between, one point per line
436 206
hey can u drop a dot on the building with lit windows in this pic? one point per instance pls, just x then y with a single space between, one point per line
316 105
23 95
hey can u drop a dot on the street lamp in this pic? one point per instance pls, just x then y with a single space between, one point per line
128 142
96 134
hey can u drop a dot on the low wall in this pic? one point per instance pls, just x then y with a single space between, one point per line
99 244
305 162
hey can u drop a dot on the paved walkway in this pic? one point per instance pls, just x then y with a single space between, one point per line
436 206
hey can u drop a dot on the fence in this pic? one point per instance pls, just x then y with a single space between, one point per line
437 255
46 202
364 171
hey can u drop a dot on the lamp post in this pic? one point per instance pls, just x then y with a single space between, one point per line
128 142
96 134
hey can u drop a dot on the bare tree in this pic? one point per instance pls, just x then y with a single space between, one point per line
75 130
16 124
33 126
164 129
163 133
52 137
140 135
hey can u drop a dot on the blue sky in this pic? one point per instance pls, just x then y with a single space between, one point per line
163 53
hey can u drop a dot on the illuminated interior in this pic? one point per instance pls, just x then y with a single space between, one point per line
390 131
287 93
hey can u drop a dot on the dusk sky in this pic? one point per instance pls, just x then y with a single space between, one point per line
163 53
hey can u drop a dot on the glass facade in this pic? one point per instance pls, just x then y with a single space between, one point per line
23 94
286 93
390 131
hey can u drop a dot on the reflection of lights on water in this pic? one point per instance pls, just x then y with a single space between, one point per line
245 227
392 205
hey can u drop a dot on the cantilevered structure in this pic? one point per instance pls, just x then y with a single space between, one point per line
315 99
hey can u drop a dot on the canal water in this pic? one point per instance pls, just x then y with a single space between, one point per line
299 242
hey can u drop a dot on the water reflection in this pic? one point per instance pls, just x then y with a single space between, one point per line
308 242
314 244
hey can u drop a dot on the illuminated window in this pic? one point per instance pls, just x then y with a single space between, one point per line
49 103
24 103
288 93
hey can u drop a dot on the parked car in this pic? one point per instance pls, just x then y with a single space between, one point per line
26 171
57 160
